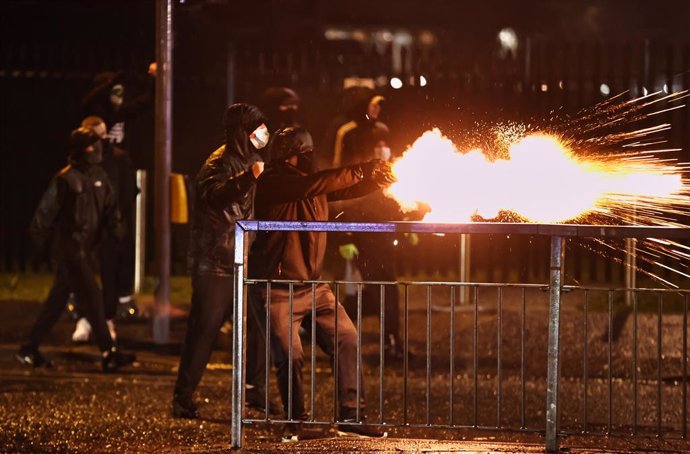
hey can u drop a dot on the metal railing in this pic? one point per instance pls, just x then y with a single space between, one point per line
552 408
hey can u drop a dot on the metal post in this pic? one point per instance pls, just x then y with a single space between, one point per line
163 157
630 269
140 233
464 267
556 275
239 301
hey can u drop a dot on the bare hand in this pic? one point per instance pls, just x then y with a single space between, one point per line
257 168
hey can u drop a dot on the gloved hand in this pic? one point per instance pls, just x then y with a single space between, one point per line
348 251
379 172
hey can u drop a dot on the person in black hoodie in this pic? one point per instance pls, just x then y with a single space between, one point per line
117 255
290 190
224 194
77 208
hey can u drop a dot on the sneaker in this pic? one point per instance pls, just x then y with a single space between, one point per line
114 359
126 308
184 408
82 332
350 428
30 356
255 399
111 329
301 432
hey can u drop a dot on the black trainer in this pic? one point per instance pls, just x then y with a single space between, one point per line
32 357
184 407
255 399
114 359
350 428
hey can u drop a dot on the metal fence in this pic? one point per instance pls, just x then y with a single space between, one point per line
507 367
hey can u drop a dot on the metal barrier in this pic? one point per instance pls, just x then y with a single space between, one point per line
476 413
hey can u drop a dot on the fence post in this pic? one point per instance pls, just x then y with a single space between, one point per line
556 275
239 302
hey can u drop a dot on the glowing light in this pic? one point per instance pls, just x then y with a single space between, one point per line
544 87
665 88
396 83
541 180
508 39
604 89
422 81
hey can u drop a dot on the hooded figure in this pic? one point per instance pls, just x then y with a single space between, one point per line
76 210
291 191
280 104
355 140
224 194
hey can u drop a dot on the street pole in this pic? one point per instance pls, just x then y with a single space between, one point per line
163 158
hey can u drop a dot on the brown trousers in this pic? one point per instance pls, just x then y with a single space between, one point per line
325 334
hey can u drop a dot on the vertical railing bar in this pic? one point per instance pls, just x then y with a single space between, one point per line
522 358
358 415
685 366
475 359
553 353
634 358
585 372
382 359
312 402
658 368
336 360
428 355
290 352
238 338
609 407
267 353
499 367
405 350
451 398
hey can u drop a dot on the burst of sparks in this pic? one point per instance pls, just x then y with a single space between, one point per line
604 165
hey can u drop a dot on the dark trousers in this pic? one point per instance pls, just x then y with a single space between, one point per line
76 276
326 308
211 300
256 339
117 272
377 267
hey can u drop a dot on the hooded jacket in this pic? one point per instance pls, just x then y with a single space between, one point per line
224 194
284 193
76 209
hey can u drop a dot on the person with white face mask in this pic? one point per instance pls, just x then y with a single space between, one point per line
225 189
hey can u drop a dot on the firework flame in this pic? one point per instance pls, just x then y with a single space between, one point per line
542 180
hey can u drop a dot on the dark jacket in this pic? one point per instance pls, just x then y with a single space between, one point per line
224 194
118 166
76 209
286 194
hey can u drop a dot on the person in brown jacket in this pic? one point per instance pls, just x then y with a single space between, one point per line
290 190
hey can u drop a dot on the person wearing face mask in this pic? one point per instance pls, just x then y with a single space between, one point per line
280 105
373 255
75 210
291 190
111 100
116 255
225 188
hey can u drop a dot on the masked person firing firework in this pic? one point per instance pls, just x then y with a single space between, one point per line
291 190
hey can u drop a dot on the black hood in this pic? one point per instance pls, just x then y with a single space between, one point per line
239 121
79 140
272 99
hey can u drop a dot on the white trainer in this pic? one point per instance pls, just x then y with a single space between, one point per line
111 328
82 331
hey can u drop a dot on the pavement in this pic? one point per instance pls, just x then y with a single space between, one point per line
76 408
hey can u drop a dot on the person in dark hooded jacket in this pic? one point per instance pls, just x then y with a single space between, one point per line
291 190
224 194
75 211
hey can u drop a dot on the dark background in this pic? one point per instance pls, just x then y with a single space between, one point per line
228 51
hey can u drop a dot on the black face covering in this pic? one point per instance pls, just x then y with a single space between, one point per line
284 118
96 156
305 162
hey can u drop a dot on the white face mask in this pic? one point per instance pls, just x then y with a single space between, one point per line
259 137
382 153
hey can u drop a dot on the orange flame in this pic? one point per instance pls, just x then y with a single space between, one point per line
542 180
